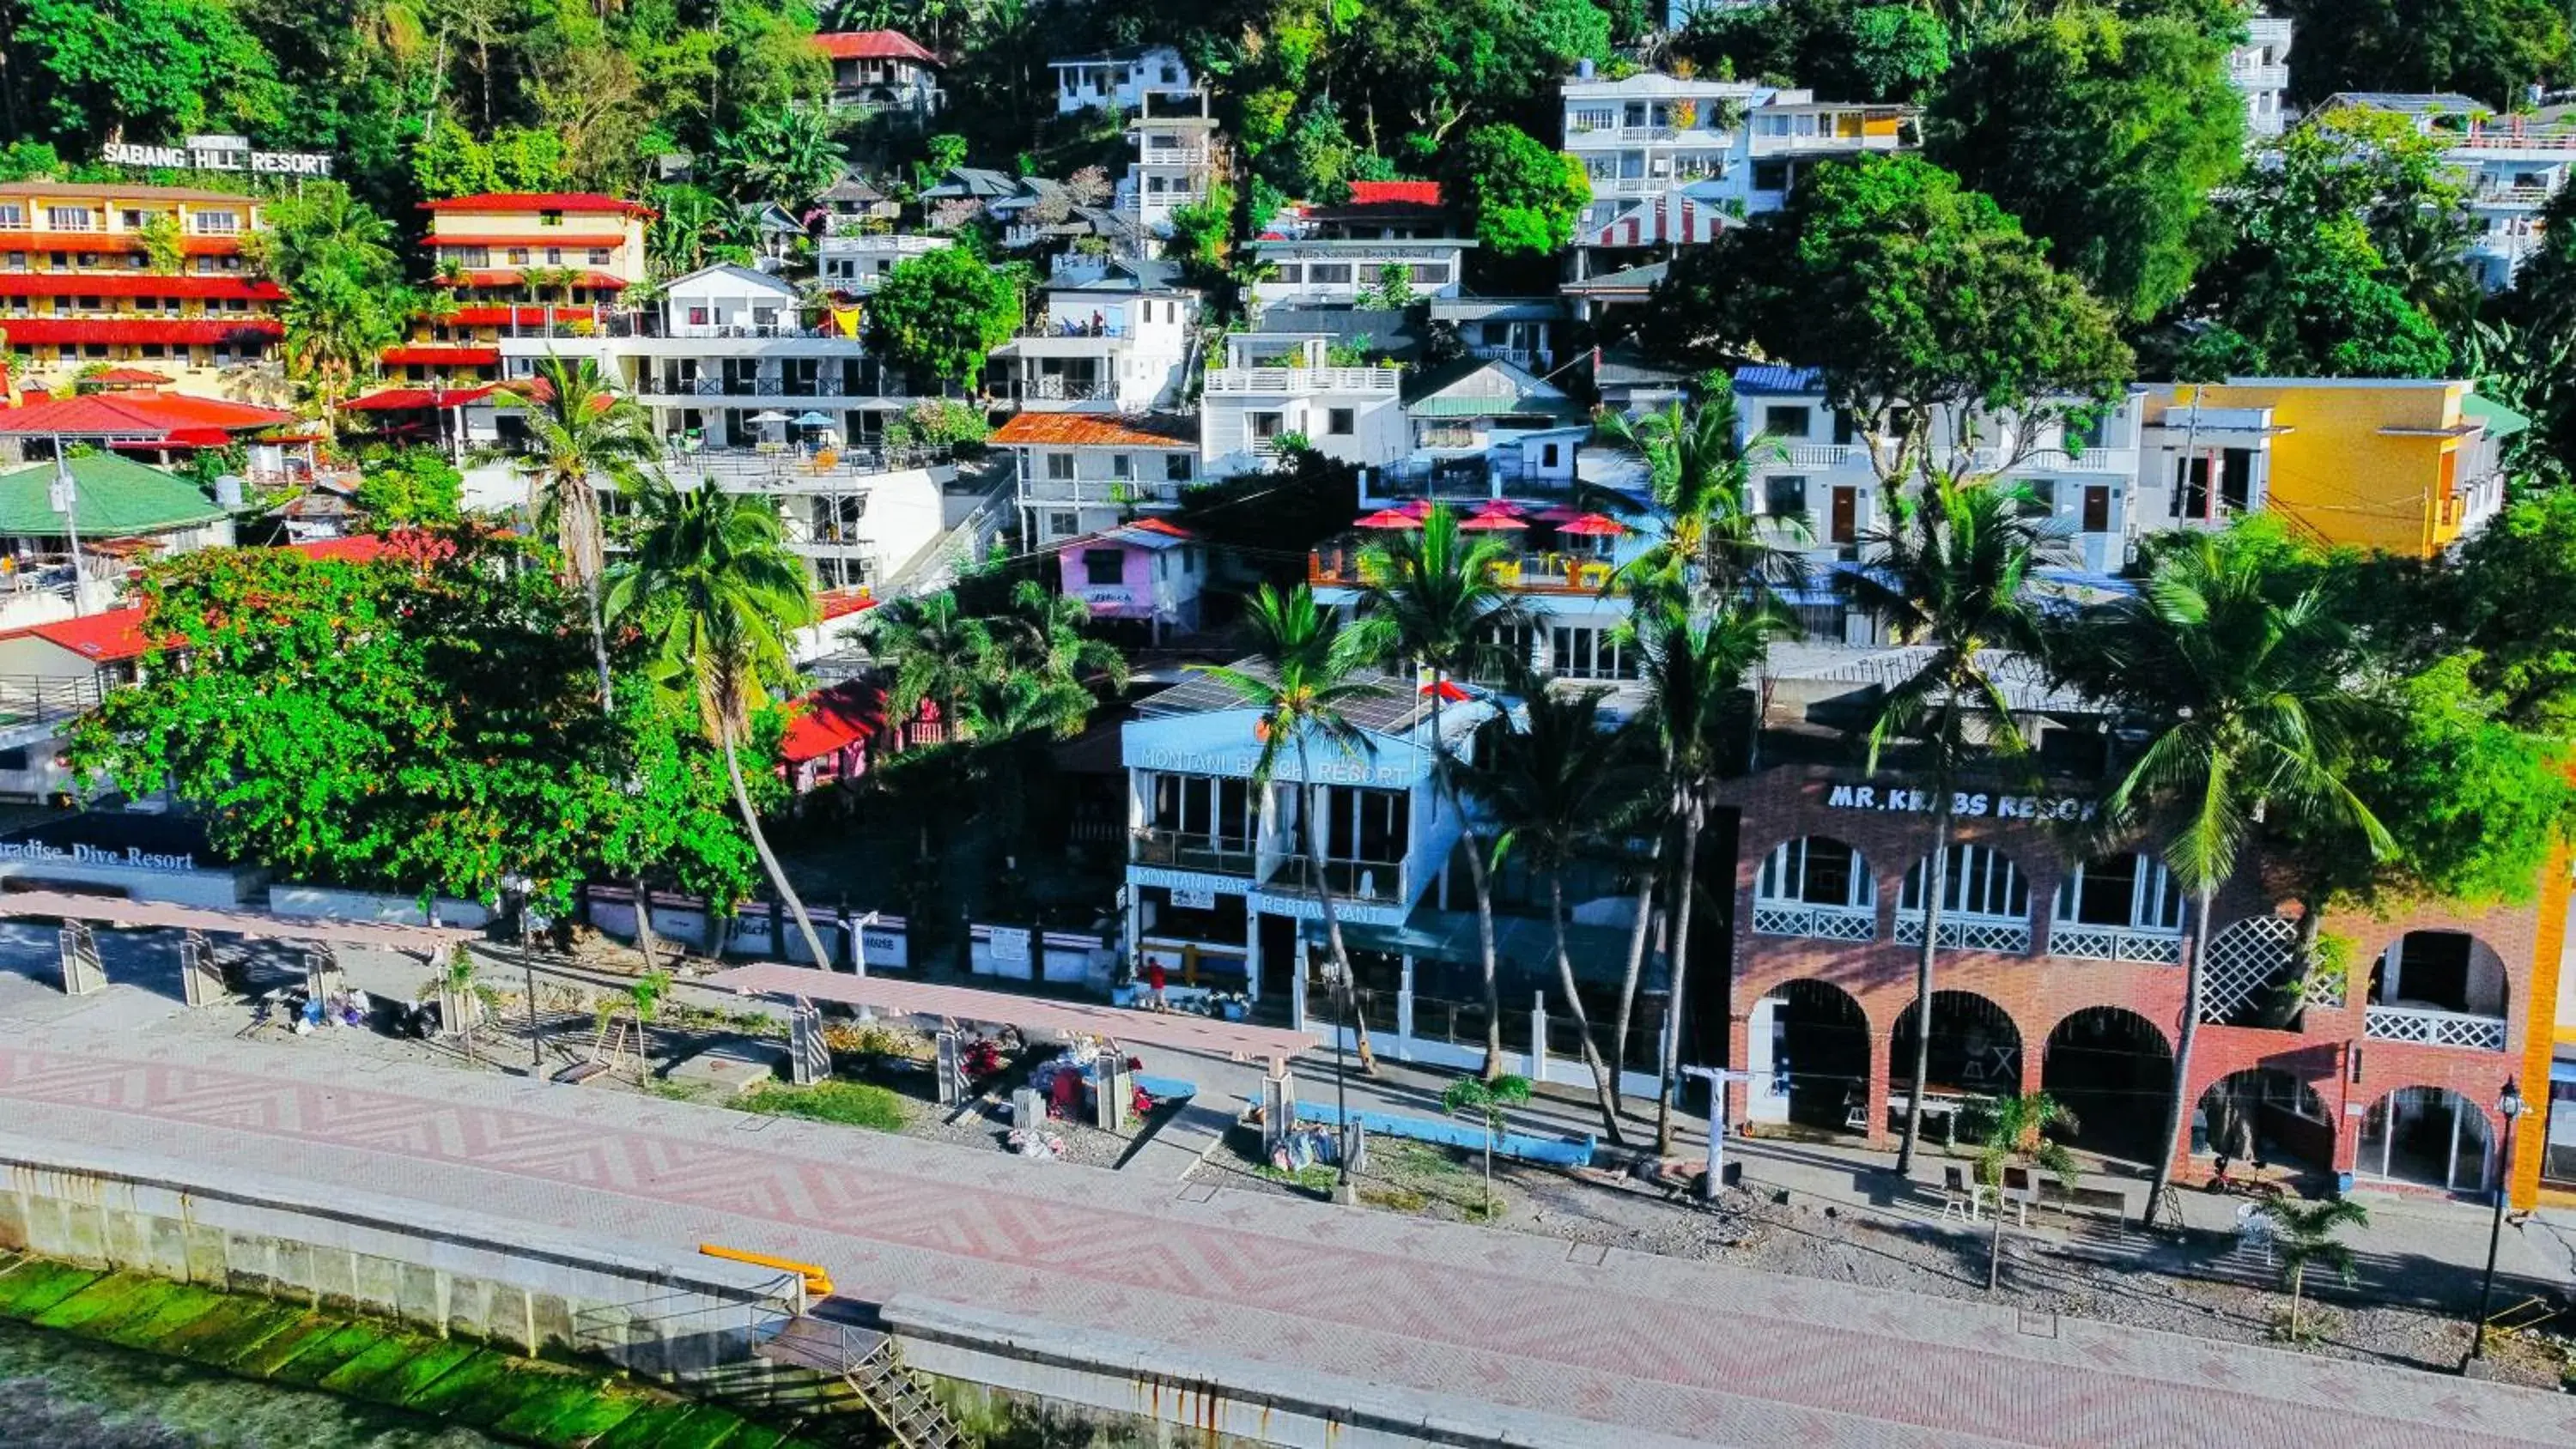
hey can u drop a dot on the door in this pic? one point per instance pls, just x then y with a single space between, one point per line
2097 508
1846 519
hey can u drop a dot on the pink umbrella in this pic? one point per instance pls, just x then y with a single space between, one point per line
1417 507
1492 523
1500 505
1561 513
1593 525
1388 518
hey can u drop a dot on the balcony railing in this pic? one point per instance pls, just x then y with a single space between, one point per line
1303 379
2258 77
2483 139
1967 933
1063 389
2113 943
2434 1028
1354 880
1816 922
1215 855
1826 455
1522 357
2509 196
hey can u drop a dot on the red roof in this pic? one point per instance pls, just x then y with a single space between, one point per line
523 239
357 548
518 201
419 352
137 415
101 243
128 284
1156 525
127 377
873 45
1395 193
832 719
405 399
513 276
522 316
24 330
1093 430
105 638
833 604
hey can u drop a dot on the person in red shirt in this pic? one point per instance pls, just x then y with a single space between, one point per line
1154 986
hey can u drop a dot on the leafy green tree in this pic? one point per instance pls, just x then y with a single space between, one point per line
2304 1234
153 67
2512 602
1486 1097
1203 230
688 224
1520 197
713 586
450 161
1911 294
585 434
323 231
939 314
2249 711
1429 600
336 329
1863 50
2491 49
2020 1133
787 157
410 488
2105 135
1305 675
1954 574
2474 807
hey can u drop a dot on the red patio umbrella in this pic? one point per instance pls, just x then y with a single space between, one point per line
1593 525
1561 513
1501 505
1388 518
1492 523
1418 507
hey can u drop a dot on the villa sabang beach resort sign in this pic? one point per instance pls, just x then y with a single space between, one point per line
217 153
1964 804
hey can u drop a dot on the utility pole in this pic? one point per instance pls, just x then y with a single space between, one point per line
66 501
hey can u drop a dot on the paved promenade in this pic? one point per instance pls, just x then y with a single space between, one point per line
1582 1347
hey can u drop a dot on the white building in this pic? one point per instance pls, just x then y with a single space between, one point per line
2261 69
857 263
1085 473
1275 385
1127 79
1175 160
1672 161
1817 479
1114 337
1338 272
2512 165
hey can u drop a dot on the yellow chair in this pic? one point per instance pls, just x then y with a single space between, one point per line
1506 572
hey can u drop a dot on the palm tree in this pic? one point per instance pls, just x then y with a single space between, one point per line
1712 543
940 655
1563 788
2021 1134
335 332
714 587
2304 1233
1952 579
585 433
1310 672
2251 706
1694 671
1429 600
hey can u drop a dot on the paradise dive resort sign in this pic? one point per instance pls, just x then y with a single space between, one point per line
132 857
1964 804
218 153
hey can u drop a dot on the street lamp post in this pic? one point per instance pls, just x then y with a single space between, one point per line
2510 1105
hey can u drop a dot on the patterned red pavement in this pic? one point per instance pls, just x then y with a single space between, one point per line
1640 1347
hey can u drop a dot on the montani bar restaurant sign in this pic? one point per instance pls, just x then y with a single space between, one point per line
1964 804
218 153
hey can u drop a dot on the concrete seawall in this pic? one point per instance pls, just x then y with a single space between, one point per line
451 1273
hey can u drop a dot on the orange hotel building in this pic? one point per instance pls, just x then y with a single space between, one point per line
78 284
520 264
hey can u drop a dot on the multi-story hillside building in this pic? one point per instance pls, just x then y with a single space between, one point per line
857 263
2260 69
885 71
1113 337
1672 161
1084 473
520 265
2510 165
1127 79
147 276
1274 385
1175 160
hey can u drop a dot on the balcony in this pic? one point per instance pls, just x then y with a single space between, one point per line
1815 922
2113 943
2434 1028
2482 138
2510 197
1967 933
1292 380
1525 358
1376 881
2253 76
1063 389
1214 855
1120 492
1827 455
774 466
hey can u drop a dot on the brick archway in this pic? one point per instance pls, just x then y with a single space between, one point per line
2115 1071
1977 1047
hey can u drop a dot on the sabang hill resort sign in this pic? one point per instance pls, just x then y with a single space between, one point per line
218 153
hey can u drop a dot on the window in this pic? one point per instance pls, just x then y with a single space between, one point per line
517 256
1122 465
1844 430
1770 175
1329 273
13 213
1063 525
697 316
1219 810
1104 567
1266 426
1178 467
554 256
1784 496
2128 892
1785 422
1980 881
1590 654
2191 488
218 223
550 218
2236 479
1369 825
1816 871
1060 467
67 218
599 256
1341 422
1429 273
2084 432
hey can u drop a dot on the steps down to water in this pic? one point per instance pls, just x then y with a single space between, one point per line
829 1341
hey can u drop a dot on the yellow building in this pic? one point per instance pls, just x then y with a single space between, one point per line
520 264
2403 466
148 280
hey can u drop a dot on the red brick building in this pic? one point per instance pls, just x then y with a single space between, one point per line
2063 969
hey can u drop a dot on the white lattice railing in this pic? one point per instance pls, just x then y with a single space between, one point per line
2115 943
1968 933
2435 1028
1826 923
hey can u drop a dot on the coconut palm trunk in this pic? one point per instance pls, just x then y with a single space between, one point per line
760 846
1601 1087
2178 1106
1936 879
1347 983
1640 927
1685 891
1480 877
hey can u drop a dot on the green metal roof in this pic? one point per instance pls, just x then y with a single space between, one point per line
116 498
2501 421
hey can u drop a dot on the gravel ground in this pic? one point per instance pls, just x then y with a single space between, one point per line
2084 1274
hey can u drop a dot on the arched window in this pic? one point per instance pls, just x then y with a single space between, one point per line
2124 907
1985 903
1815 886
